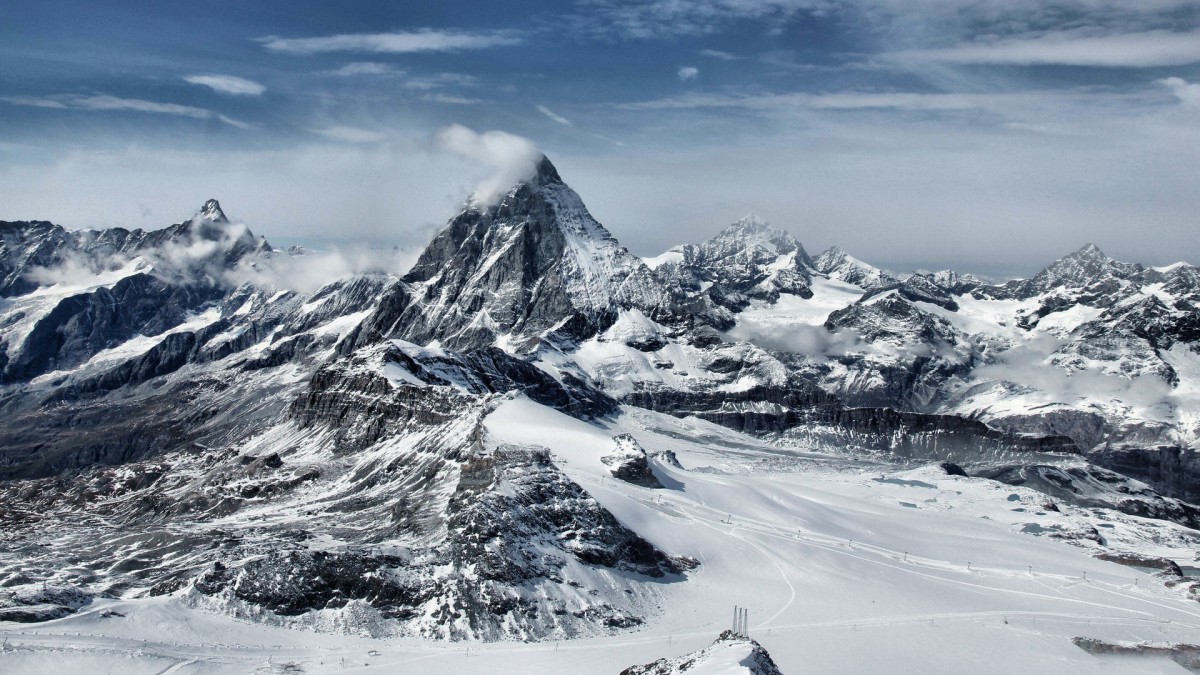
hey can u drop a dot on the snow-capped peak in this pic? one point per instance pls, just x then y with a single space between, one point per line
1082 268
536 261
211 211
839 265
750 223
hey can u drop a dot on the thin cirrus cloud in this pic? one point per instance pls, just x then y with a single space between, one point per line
227 84
554 116
794 101
1131 50
105 102
399 42
361 68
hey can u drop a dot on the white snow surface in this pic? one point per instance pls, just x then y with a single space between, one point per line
846 566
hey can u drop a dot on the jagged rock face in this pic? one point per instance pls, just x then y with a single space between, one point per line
748 260
836 264
492 370
894 319
918 288
884 432
1171 470
1134 335
533 264
1092 486
82 325
952 282
505 563
906 356
211 378
376 506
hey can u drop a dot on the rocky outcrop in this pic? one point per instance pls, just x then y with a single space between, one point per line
1173 471
35 603
628 462
1086 485
1186 655
731 653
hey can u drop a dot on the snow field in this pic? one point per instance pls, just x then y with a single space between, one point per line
846 566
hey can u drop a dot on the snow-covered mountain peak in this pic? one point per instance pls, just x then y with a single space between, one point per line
751 223
839 265
535 263
211 211
546 174
747 260
754 236
1085 266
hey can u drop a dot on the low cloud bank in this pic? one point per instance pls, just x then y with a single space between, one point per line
307 271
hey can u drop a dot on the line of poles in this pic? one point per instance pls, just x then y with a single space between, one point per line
741 621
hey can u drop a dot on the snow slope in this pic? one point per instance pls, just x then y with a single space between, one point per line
845 565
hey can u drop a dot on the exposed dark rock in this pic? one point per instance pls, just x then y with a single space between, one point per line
1093 486
1186 655
628 462
952 469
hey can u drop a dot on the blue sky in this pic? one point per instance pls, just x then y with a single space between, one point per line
993 134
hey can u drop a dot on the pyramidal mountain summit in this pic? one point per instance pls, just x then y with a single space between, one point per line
535 440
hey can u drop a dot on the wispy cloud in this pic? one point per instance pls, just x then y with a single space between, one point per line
351 134
440 80
106 102
718 54
688 73
34 102
419 82
227 84
1038 100
451 99
399 42
553 115
359 68
1071 48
